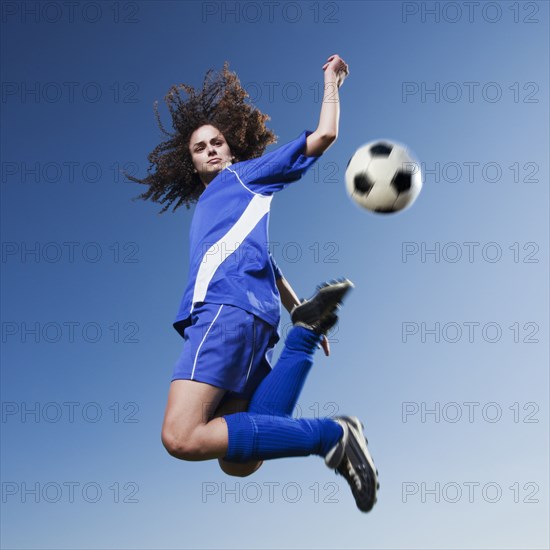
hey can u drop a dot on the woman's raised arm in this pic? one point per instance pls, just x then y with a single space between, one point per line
336 70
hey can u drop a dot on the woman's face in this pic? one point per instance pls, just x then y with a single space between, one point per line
210 152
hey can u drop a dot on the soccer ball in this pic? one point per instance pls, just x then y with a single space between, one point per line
383 176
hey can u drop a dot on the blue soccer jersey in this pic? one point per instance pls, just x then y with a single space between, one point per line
229 259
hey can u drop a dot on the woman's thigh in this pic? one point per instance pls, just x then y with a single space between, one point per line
190 407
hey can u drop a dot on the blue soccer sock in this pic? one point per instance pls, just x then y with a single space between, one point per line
279 391
262 437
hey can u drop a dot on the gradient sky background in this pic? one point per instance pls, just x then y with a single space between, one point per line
131 53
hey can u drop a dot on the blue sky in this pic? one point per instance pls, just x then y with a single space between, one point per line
91 280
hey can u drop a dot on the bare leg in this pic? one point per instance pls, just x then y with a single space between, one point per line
231 406
187 431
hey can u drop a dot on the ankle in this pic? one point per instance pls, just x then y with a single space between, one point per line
301 338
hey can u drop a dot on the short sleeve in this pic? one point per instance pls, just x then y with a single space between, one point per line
278 272
273 171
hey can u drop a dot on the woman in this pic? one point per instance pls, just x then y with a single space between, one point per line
225 401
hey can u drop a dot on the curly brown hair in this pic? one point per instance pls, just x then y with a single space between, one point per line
220 103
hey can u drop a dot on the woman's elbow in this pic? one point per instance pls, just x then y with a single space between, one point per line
330 137
317 144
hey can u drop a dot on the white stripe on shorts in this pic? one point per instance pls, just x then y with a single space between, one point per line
253 345
202 342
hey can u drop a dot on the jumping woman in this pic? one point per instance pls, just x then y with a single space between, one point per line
225 401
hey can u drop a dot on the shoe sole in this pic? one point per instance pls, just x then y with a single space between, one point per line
356 432
308 312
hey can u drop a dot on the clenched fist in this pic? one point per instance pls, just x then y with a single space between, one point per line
337 66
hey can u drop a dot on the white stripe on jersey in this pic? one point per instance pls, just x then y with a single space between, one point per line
212 259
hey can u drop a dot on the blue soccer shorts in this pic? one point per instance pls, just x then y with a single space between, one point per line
227 347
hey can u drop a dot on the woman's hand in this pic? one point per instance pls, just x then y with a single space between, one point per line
335 65
325 345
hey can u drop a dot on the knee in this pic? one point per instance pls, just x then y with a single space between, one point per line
239 470
182 445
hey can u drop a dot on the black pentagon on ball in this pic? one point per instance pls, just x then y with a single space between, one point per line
381 150
362 183
384 210
401 182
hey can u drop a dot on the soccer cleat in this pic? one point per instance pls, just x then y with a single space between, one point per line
350 458
319 312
